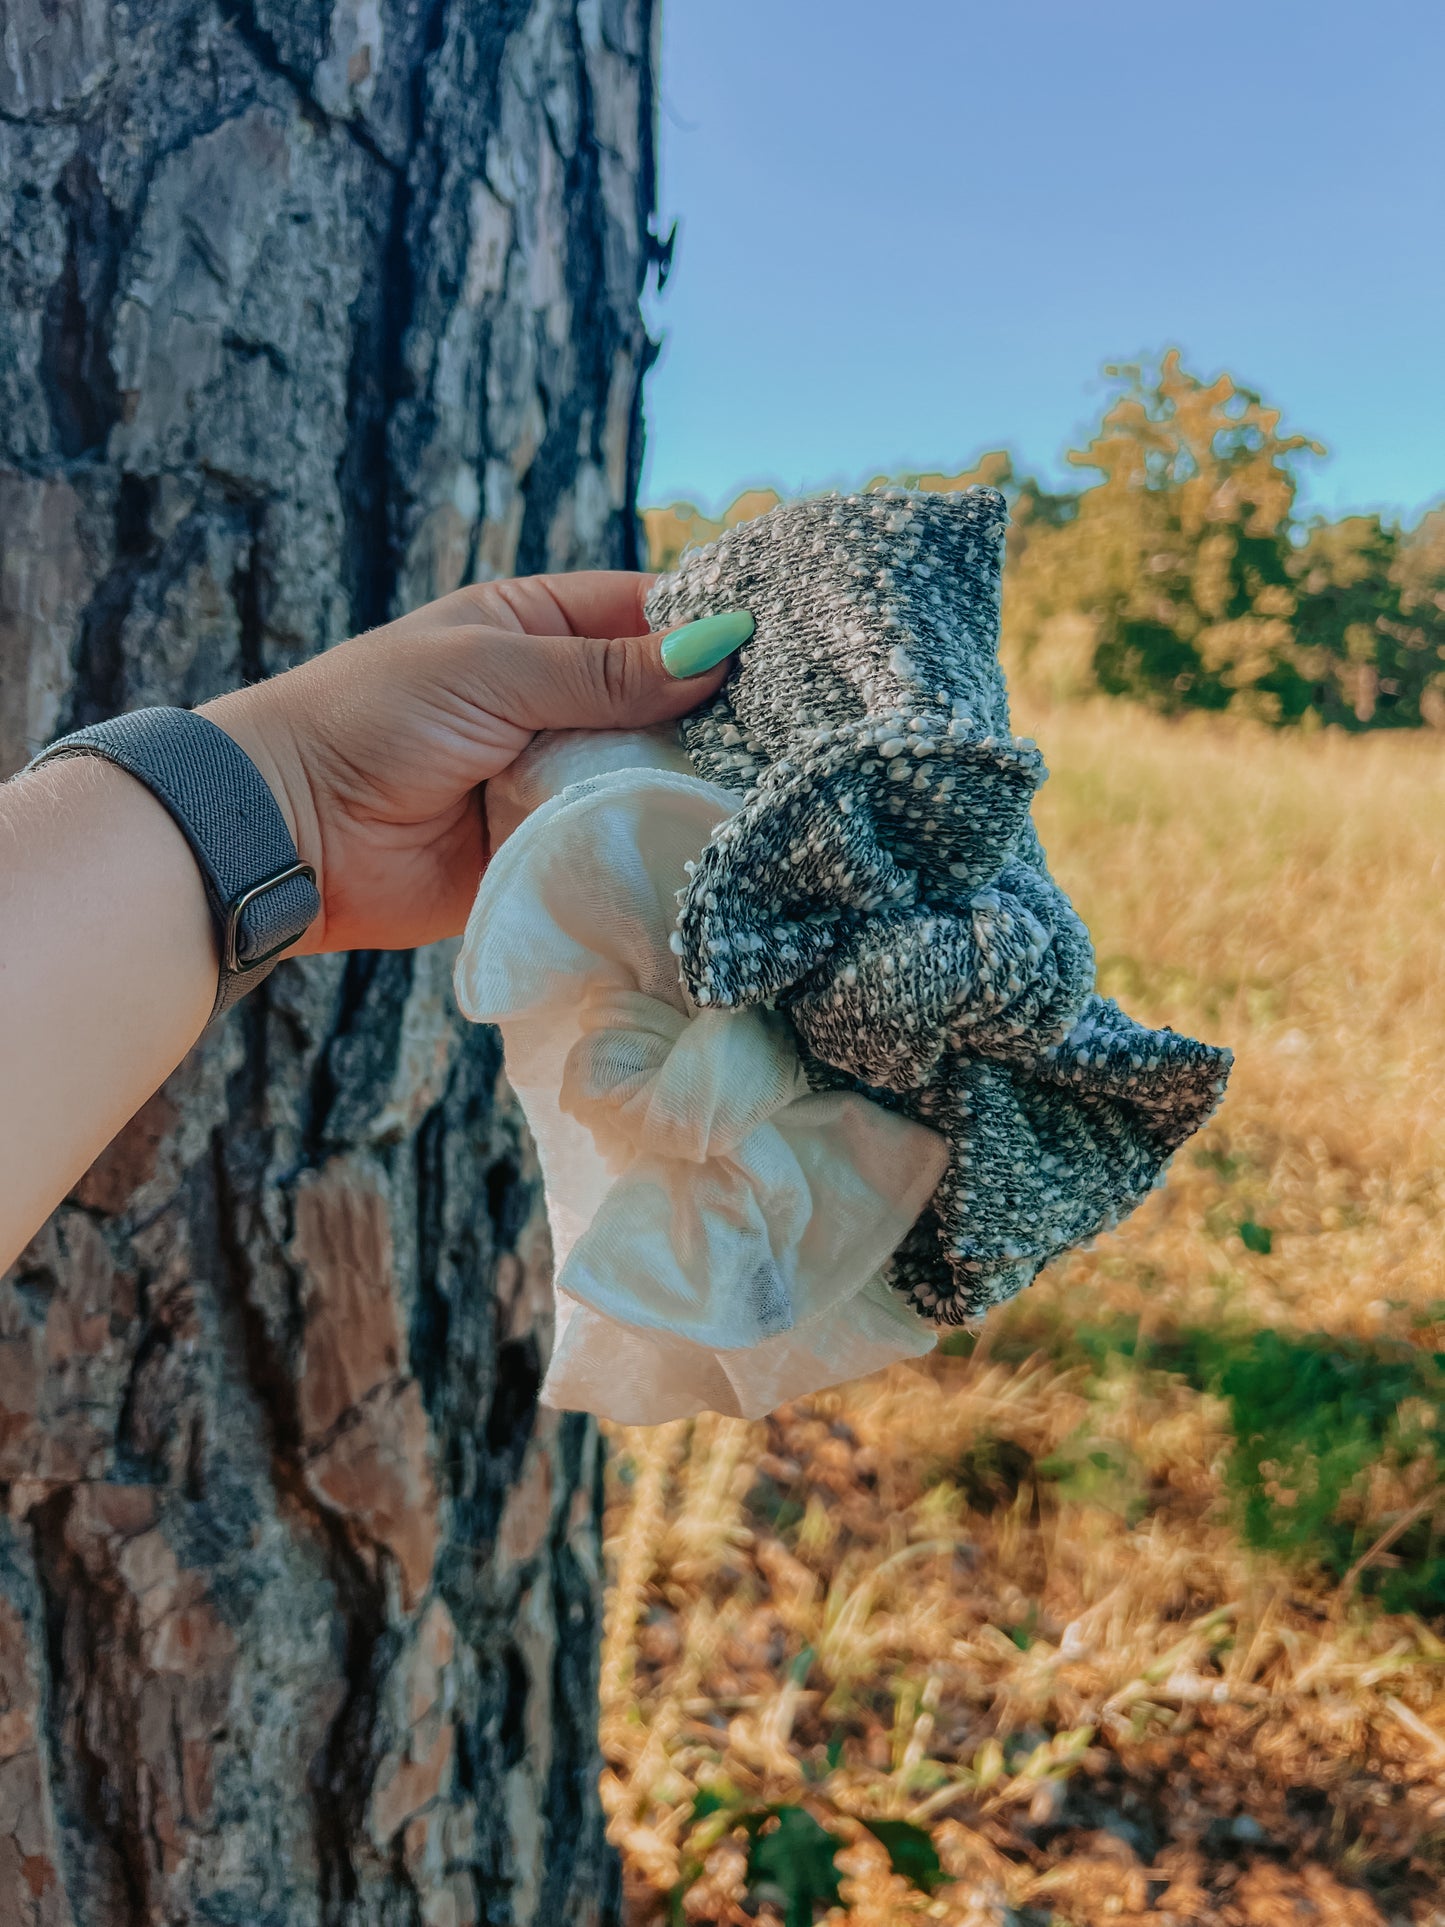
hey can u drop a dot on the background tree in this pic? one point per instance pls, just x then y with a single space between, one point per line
1179 556
1182 577
309 312
1369 629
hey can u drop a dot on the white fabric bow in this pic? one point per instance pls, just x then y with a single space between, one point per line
718 1226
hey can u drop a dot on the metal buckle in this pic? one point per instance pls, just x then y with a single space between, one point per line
232 962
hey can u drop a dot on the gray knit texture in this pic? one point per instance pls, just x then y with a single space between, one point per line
883 884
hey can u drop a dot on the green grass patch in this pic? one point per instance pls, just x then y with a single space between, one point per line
772 1505
1311 1415
790 1856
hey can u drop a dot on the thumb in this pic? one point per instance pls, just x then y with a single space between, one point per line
615 682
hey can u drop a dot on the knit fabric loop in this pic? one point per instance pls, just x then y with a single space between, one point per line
883 884
645 1077
828 836
906 986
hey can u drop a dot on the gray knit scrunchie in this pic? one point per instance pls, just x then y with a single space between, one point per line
883 884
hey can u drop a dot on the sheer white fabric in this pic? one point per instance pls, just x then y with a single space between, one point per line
719 1228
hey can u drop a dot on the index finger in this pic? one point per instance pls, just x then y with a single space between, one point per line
592 602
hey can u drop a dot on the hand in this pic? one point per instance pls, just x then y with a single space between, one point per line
375 750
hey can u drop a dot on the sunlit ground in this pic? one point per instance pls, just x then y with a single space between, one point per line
1138 1611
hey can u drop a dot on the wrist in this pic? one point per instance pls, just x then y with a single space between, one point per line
256 724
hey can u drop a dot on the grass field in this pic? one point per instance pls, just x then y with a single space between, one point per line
1132 1606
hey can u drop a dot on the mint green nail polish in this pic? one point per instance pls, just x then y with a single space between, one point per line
703 644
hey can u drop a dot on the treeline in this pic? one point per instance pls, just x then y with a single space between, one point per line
1182 576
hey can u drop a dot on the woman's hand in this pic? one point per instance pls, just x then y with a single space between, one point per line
375 750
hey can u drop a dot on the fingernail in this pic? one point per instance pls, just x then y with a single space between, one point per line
703 644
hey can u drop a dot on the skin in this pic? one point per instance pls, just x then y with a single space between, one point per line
376 752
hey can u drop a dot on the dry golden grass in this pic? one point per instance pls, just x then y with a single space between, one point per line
1006 1597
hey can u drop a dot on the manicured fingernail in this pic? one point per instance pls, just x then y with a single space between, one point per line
703 644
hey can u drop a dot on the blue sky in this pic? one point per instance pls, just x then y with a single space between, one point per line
913 229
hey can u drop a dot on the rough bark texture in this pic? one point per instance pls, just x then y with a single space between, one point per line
310 310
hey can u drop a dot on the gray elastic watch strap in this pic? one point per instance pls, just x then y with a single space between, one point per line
262 896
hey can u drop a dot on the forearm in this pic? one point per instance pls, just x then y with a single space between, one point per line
108 970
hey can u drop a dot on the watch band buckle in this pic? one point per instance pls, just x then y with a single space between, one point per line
231 959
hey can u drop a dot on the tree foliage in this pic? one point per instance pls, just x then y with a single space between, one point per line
1182 577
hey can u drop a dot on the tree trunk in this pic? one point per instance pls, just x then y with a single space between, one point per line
312 309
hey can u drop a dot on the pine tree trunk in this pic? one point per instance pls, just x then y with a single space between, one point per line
311 310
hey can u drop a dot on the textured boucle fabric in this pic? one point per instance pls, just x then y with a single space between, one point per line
883 884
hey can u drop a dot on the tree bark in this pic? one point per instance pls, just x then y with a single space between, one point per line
311 310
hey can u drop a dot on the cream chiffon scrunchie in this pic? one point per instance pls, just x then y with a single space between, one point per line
719 1228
